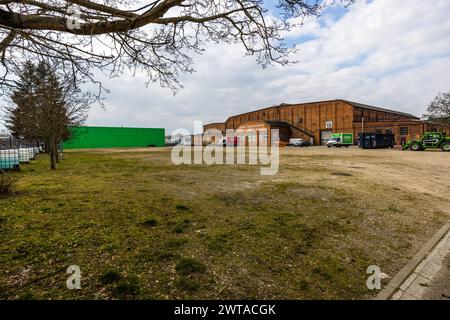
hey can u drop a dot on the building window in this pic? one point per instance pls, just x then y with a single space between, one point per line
389 131
379 131
404 131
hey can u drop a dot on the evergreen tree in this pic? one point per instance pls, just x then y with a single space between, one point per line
22 97
45 105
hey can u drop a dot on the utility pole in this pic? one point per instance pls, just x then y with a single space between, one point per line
361 138
362 124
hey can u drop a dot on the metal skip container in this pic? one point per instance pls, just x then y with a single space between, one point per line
377 140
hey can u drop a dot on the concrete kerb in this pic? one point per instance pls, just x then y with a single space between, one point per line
409 268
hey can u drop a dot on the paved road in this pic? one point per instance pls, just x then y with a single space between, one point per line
439 289
431 279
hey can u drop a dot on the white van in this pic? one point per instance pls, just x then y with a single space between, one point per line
298 143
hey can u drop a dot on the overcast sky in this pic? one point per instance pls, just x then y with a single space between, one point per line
393 54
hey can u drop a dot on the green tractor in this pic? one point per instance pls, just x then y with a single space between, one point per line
431 140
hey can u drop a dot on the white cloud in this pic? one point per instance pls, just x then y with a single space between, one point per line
382 52
388 53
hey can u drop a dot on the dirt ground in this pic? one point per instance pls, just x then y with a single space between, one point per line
424 172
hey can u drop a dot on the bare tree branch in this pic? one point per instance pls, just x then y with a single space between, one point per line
157 37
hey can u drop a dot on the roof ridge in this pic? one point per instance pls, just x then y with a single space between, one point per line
352 103
368 106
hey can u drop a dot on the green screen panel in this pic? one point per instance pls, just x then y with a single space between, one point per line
114 137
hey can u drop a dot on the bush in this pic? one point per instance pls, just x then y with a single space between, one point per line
7 185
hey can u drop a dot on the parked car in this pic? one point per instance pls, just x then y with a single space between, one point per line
228 142
222 142
300 143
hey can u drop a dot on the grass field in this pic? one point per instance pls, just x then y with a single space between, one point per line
142 228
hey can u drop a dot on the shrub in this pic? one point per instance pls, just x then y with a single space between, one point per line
7 185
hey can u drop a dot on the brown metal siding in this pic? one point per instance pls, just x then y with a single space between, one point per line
309 119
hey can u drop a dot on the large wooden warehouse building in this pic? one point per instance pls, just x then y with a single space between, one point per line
316 121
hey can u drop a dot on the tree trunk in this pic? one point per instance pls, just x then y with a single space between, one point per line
52 161
52 156
56 153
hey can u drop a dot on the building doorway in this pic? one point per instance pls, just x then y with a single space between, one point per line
325 136
403 140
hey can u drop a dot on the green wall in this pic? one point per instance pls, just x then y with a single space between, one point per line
114 137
